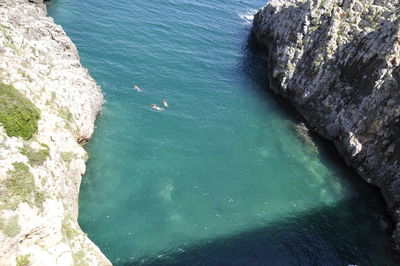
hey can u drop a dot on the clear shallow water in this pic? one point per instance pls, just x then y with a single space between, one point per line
221 177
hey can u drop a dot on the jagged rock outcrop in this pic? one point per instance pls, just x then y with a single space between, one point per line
337 62
40 174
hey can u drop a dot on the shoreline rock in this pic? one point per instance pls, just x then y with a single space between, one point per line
338 64
40 176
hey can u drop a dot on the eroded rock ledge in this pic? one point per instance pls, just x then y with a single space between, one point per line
337 62
40 174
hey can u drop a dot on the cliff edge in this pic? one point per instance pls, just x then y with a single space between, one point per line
337 62
48 105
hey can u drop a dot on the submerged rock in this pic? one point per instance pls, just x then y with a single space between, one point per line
337 62
40 172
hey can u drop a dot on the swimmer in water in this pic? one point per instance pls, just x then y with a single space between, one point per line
136 88
154 106
165 103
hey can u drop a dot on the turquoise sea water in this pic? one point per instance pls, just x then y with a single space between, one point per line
222 176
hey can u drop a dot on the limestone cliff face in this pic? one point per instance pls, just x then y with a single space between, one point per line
40 176
337 62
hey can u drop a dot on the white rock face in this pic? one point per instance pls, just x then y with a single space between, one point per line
338 63
39 60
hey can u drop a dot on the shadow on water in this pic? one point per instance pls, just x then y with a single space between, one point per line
328 236
254 67
352 231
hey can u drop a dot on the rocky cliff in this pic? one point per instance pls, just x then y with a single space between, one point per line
48 105
337 62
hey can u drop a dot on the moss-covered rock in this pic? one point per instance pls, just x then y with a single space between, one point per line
12 227
36 157
18 114
23 260
20 187
21 183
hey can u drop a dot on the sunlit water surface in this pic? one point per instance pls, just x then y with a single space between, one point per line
222 176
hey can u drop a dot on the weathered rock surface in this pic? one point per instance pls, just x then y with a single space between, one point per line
37 58
337 62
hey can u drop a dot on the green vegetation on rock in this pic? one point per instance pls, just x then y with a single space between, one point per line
67 229
67 157
66 114
9 42
40 198
23 260
21 183
36 157
18 114
20 187
11 228
79 258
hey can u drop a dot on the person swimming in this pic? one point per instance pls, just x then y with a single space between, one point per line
136 88
154 106
165 103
